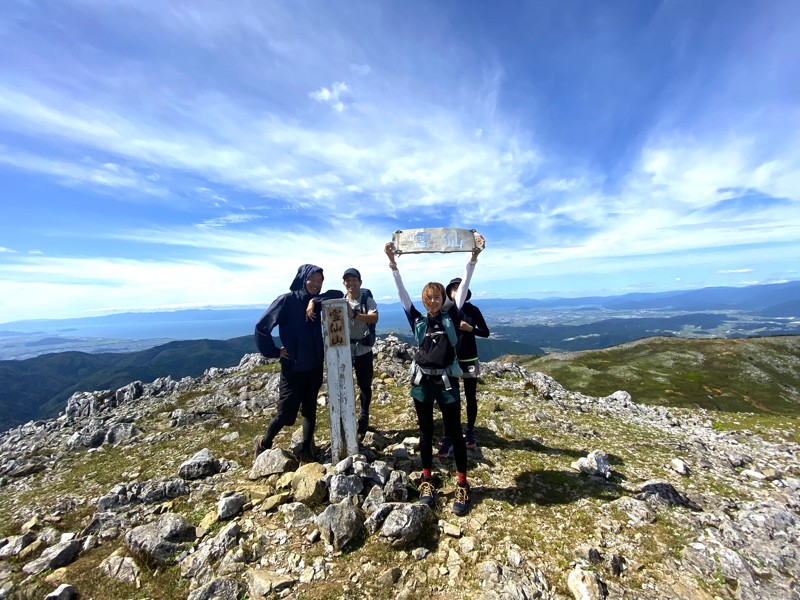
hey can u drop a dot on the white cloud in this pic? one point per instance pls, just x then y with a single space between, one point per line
360 69
216 117
698 175
232 219
418 156
333 95
229 269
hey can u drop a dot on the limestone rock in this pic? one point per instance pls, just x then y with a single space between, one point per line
271 462
202 464
405 523
121 567
585 585
162 539
54 557
596 463
340 524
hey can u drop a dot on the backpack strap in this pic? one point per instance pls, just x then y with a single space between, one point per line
369 334
421 327
417 372
450 328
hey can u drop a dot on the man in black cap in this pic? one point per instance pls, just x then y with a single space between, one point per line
363 313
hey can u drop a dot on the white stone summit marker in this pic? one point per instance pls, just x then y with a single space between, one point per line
341 394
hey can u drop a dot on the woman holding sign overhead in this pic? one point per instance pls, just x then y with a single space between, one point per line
435 372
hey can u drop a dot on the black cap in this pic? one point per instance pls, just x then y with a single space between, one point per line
453 283
353 272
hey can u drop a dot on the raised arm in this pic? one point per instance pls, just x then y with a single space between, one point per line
463 288
405 299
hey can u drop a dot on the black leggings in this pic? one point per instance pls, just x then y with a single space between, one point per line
471 395
451 415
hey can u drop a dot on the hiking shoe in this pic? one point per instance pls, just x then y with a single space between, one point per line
462 501
446 449
258 446
470 439
427 493
362 426
306 455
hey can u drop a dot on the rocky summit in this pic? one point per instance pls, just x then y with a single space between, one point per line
152 491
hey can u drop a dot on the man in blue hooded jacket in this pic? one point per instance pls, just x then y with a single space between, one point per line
301 354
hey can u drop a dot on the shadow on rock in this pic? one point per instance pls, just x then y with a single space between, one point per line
550 487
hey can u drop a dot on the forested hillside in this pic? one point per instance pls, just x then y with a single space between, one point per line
38 388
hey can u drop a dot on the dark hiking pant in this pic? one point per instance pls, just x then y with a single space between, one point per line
298 391
364 367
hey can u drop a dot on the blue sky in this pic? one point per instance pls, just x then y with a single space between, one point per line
158 154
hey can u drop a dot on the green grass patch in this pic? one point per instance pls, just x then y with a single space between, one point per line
759 375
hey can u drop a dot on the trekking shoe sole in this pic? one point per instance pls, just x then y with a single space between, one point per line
460 511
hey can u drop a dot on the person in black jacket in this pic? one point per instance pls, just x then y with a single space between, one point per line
301 355
472 324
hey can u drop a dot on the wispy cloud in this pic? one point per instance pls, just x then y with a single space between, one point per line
87 172
265 133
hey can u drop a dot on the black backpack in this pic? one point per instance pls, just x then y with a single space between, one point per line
369 337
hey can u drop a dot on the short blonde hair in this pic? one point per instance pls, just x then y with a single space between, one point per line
430 288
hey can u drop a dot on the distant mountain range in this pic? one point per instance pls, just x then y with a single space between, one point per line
135 331
782 298
131 346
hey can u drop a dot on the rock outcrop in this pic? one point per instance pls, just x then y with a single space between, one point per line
572 497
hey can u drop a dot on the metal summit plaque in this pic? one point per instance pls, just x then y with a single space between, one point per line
433 239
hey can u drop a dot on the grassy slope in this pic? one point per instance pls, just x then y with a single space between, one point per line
755 374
